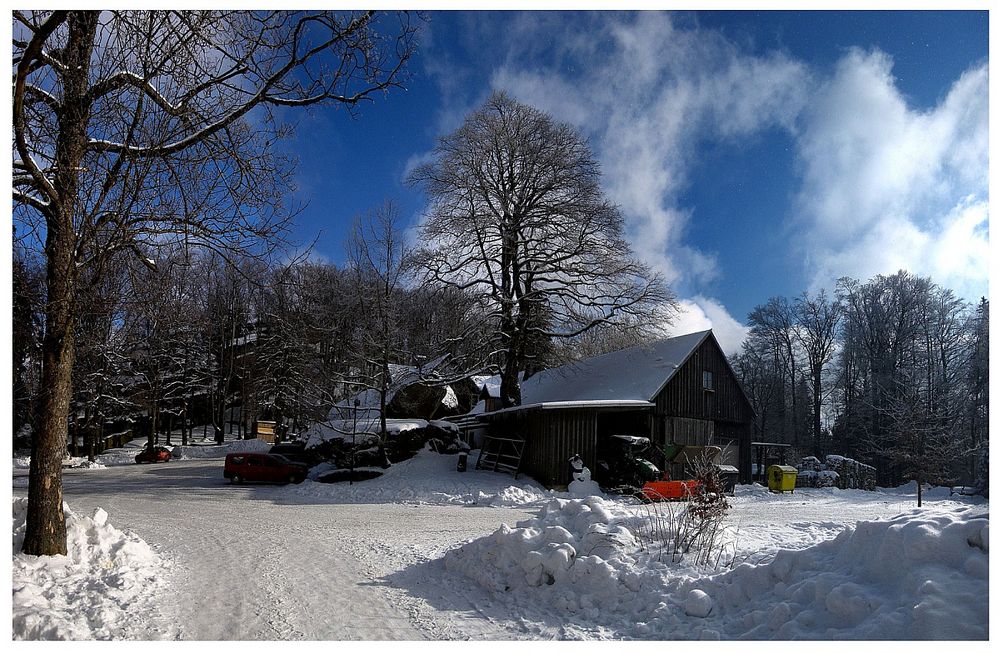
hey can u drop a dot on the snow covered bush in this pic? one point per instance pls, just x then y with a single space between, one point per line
337 441
835 471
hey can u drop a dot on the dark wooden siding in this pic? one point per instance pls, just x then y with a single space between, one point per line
553 437
684 412
724 410
685 396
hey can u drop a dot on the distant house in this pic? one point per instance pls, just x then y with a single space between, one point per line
488 399
680 390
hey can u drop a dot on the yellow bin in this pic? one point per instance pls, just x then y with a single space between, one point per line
781 478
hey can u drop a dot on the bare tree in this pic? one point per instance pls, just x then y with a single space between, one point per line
26 326
816 321
379 258
925 445
101 365
882 329
774 322
762 380
517 217
137 129
977 381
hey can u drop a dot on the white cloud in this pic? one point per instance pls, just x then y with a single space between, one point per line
884 185
647 95
889 187
700 313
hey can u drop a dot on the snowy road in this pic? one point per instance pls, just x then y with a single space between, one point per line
259 562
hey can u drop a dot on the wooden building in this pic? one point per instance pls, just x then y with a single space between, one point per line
265 430
679 390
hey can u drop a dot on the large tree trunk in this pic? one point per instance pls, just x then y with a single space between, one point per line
510 387
45 532
817 408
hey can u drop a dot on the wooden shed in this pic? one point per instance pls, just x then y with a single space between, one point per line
679 390
264 430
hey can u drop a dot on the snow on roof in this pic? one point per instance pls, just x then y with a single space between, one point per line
489 384
590 403
635 374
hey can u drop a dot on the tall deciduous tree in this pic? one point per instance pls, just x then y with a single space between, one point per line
137 129
816 321
379 258
978 388
517 217
774 323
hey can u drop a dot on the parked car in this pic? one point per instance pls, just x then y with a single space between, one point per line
154 454
263 467
294 451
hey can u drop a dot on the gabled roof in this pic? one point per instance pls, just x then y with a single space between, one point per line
636 374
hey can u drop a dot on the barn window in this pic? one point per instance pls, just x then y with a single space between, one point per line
706 380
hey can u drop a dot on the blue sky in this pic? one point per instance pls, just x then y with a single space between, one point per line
753 153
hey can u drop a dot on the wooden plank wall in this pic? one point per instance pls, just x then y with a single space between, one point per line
554 436
725 406
684 396
684 430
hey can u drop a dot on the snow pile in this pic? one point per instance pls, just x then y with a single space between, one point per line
95 592
113 457
573 543
920 575
930 492
431 478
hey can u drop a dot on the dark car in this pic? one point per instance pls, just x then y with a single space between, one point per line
264 468
153 455
294 451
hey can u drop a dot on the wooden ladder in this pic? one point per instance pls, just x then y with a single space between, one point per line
501 455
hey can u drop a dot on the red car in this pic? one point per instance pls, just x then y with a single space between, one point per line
153 455
263 467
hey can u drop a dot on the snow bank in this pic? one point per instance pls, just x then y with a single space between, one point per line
432 478
920 575
106 580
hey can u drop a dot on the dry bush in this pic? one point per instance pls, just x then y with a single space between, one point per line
692 528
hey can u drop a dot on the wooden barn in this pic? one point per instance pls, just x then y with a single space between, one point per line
680 390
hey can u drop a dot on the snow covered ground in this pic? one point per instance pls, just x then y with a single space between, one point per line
426 552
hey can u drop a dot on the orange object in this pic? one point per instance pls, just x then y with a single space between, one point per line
670 490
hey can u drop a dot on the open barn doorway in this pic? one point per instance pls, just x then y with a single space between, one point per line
625 453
